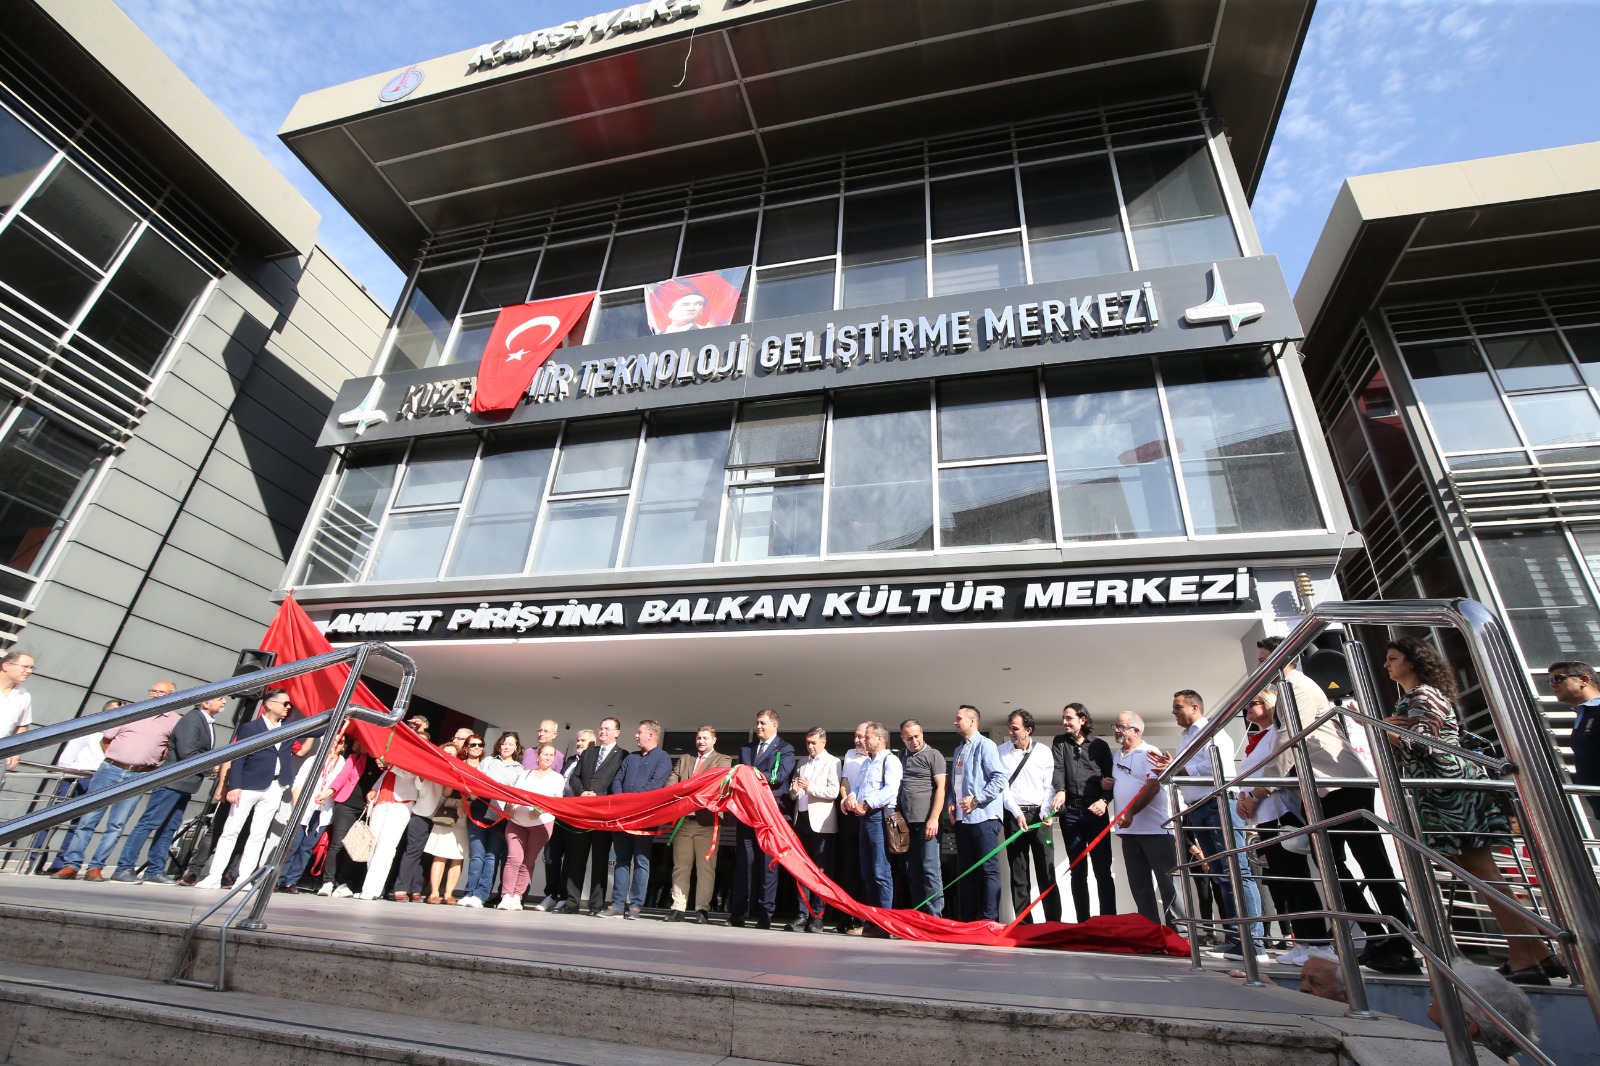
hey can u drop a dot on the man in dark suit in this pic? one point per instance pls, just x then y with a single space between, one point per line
255 784
773 759
194 734
597 767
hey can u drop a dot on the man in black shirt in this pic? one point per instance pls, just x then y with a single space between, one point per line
1083 790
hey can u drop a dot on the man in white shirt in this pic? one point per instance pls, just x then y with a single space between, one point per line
1030 769
877 794
1203 824
815 788
1142 811
16 703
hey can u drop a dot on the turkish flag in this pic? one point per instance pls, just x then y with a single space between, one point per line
523 338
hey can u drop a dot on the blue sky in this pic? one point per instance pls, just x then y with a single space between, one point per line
1381 85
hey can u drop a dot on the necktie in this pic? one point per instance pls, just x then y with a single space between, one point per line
761 751
699 760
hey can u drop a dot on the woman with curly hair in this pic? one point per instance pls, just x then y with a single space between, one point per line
1463 824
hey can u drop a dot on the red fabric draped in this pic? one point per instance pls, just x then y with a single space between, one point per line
740 794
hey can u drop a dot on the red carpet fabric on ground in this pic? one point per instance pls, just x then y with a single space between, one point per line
740 794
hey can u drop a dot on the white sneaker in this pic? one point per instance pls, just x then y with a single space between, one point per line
1295 956
209 883
365 895
342 892
471 901
546 904
509 903
326 889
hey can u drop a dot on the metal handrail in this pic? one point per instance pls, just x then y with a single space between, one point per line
1549 817
331 721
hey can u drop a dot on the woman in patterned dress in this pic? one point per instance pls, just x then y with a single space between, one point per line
1463 824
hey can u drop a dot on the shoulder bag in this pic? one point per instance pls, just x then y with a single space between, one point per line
896 833
359 840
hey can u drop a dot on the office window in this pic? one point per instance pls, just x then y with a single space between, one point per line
597 456
569 268
1461 401
594 469
23 155
345 533
147 300
718 244
1545 599
989 417
1113 462
497 530
1175 206
502 281
808 232
778 433
424 510
885 247
1238 453
44 467
425 323
881 473
642 258
680 490
1074 228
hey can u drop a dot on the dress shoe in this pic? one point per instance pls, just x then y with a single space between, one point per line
1551 964
798 925
417 897
126 877
1399 962
95 875
736 921
675 916
764 922
702 917
1532 975
66 873
565 907
292 890
400 897
165 879
815 926
875 932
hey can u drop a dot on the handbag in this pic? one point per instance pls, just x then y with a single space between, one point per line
896 833
360 840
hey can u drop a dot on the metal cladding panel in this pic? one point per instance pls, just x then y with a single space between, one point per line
1173 291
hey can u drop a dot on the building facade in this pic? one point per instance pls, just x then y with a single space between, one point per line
171 338
1453 340
907 355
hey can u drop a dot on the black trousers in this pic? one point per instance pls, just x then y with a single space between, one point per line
586 851
749 861
1288 879
1079 826
847 858
1365 845
1034 846
555 853
410 878
344 817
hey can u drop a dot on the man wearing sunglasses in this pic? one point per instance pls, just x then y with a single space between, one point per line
1572 683
255 785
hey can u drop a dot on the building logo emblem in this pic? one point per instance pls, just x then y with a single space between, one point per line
401 85
1218 309
366 413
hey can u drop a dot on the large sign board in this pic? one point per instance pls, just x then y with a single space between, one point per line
1199 591
1238 302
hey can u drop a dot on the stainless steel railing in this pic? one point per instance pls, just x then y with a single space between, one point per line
1549 819
329 722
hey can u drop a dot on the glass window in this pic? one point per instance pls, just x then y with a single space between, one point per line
1544 596
1237 450
1391 447
39 270
498 528
90 220
803 231
1114 475
881 472
501 282
22 156
1531 361
1556 418
975 204
436 472
597 456
680 490
1074 227
641 258
413 545
425 324
44 467
472 335
772 521
794 290
885 247
1003 504
718 244
338 551
1175 206
1586 346
778 433
570 268
580 534
1460 400
622 316
146 301
989 418
992 262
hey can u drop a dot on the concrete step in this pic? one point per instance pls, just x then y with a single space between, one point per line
807 1000
51 1017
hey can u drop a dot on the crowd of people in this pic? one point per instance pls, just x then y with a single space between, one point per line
871 818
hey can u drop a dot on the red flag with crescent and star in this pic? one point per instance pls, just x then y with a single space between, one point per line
523 338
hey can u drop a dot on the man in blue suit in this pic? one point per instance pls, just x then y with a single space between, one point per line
773 759
255 786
